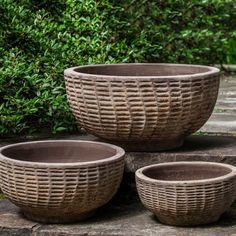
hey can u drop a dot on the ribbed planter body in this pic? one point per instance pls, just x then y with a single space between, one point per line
187 193
142 102
60 181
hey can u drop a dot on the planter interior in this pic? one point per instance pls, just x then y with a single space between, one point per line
186 172
139 70
59 152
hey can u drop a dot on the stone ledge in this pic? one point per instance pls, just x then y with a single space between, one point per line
221 123
227 67
195 148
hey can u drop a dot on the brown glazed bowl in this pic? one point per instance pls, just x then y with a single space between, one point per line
187 193
142 102
60 181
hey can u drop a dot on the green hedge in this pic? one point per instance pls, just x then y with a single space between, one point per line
40 38
230 51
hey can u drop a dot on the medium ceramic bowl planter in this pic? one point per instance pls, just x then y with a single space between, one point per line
187 193
60 181
142 102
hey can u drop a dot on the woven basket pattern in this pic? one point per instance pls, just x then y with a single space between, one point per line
144 109
189 204
67 189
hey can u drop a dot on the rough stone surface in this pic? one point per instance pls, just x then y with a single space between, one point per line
195 148
221 123
227 104
227 67
11 223
123 216
223 119
230 67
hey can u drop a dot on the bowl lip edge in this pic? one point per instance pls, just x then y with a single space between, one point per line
71 71
139 173
119 155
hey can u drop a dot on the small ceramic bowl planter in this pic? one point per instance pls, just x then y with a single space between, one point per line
133 103
60 181
187 193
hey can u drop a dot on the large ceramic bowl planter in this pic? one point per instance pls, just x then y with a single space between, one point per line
187 193
142 102
60 181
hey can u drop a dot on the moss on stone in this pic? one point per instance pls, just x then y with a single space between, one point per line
2 196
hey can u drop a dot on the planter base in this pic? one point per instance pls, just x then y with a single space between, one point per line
59 219
190 220
149 146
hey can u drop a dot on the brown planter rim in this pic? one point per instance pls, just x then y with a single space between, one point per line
72 71
139 173
119 155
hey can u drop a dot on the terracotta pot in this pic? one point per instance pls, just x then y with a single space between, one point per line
60 181
187 193
142 102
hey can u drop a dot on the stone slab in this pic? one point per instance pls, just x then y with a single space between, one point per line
227 96
195 148
229 67
227 80
123 216
231 95
227 103
11 224
221 123
225 107
227 86
228 100
227 92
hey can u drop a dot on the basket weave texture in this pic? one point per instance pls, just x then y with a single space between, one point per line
187 204
60 193
141 109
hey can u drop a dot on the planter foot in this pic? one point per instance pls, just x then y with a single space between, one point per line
149 146
188 220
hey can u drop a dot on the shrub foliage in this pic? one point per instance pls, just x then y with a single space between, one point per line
40 38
